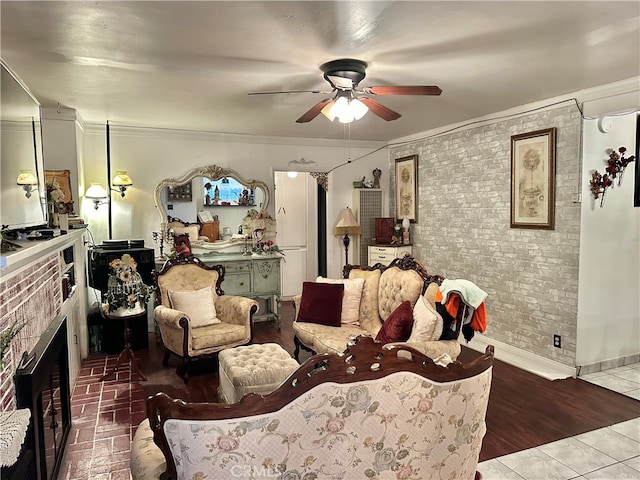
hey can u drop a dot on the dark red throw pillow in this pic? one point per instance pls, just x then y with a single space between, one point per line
321 303
397 328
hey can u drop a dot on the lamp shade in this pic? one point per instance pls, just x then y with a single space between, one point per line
347 223
26 177
122 179
95 192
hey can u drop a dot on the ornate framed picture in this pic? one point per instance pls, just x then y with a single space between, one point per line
533 179
63 179
407 188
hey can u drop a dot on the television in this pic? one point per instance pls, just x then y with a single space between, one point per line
21 140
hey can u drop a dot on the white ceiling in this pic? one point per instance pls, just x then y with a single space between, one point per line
190 65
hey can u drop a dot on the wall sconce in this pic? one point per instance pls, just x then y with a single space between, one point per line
122 181
96 193
347 225
27 180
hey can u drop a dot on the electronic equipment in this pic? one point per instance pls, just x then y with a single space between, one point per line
100 257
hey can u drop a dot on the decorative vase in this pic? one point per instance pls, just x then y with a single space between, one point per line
54 219
406 223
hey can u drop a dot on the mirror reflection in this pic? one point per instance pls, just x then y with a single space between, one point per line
211 204
23 194
228 192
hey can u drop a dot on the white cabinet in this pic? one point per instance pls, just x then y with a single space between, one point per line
74 302
385 254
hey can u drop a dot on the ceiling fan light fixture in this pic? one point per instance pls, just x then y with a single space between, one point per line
326 111
340 108
358 109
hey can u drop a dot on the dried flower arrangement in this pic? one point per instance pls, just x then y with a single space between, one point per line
616 165
55 196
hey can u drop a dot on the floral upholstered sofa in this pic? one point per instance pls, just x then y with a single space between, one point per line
375 411
384 289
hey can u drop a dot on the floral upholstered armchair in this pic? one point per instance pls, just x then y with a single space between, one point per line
194 316
375 412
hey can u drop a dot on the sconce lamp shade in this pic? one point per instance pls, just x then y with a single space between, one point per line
96 193
26 179
122 179
347 224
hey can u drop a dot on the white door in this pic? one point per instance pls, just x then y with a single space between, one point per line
296 227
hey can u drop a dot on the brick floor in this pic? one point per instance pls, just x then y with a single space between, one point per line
99 444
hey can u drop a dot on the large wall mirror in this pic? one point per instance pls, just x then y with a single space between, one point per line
24 206
218 192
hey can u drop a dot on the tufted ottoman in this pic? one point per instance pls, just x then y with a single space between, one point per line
257 369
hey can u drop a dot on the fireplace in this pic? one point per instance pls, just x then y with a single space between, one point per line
42 385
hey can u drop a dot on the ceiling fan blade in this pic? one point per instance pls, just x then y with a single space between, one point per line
379 109
287 91
313 111
404 90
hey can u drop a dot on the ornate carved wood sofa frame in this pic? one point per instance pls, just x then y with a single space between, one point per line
403 279
376 411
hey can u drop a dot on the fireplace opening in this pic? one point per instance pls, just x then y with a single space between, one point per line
42 385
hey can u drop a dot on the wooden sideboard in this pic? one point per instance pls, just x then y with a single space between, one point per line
252 276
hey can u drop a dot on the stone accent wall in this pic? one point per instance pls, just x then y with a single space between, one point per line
32 297
463 228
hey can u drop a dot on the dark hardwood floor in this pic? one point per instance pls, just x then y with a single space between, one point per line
524 411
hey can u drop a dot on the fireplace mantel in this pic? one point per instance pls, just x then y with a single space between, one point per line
33 249
32 295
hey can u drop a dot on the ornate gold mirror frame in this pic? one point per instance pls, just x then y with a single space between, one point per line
212 172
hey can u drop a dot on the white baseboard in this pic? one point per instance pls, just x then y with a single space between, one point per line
531 362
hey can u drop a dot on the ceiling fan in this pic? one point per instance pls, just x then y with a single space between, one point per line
348 101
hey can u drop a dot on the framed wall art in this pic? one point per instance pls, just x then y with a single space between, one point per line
407 188
532 179
63 177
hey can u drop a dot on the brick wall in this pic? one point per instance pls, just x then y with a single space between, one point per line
31 297
463 229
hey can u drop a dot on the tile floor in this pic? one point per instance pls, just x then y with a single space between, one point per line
611 453
105 416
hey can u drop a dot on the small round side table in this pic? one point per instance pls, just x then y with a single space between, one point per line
126 356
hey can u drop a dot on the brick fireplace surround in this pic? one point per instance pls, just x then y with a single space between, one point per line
29 297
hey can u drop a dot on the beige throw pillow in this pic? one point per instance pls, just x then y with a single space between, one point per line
430 294
197 304
427 322
192 230
350 314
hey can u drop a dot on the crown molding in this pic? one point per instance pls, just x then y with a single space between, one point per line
154 132
623 89
60 113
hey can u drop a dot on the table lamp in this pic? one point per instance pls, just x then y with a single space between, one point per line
347 225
